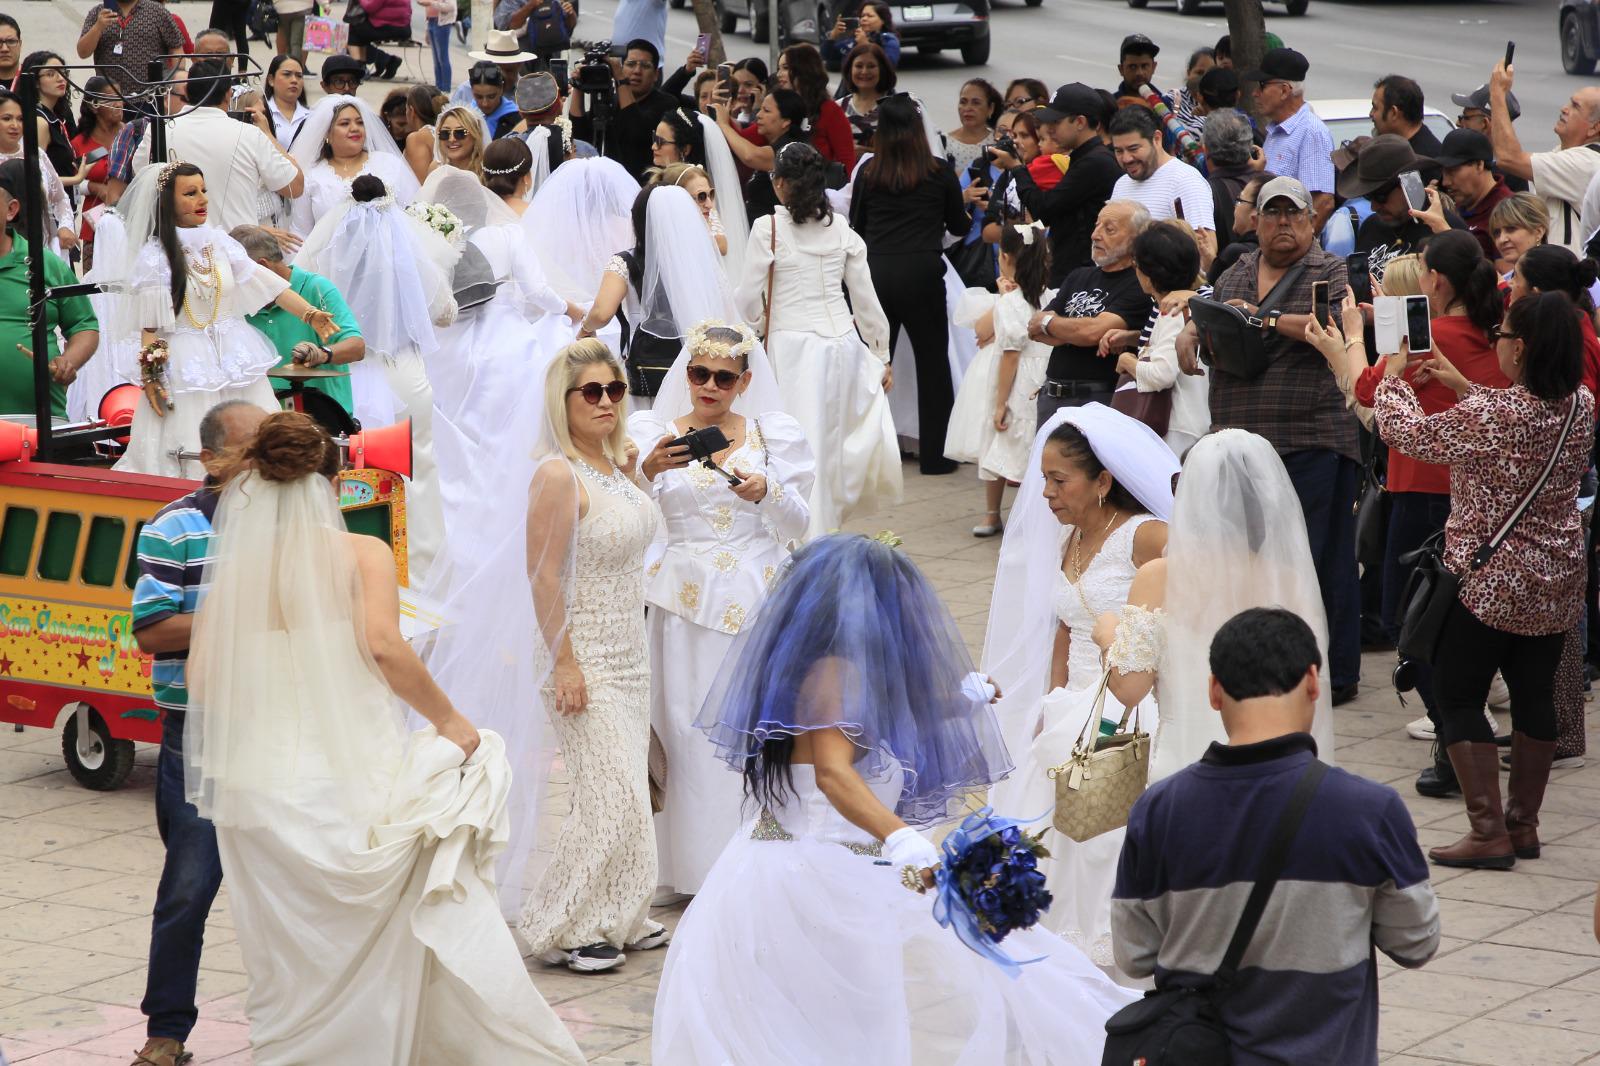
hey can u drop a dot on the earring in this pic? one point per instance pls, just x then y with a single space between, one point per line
1100 501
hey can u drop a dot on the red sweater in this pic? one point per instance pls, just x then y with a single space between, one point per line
830 135
1471 353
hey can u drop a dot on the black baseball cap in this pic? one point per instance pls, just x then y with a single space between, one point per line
1478 100
1280 64
1219 86
1137 44
1464 146
343 64
1073 100
13 178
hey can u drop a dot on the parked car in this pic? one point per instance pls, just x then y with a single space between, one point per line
1349 119
933 27
1580 36
1192 7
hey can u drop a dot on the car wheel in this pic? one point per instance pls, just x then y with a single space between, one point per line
678 4
727 20
1138 3
759 28
1033 3
100 762
975 53
1297 7
1573 59
1188 7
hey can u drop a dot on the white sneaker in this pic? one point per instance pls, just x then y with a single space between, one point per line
1499 695
660 937
1421 729
665 897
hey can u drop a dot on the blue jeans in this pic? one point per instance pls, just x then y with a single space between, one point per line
1326 483
439 41
1413 518
189 882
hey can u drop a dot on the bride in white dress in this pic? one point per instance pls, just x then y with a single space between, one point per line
1238 541
1091 511
834 383
844 706
184 288
342 139
359 858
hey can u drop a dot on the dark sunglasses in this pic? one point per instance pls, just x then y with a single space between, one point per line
705 196
453 135
725 379
594 390
1500 333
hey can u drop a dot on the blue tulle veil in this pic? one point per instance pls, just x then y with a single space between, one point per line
854 637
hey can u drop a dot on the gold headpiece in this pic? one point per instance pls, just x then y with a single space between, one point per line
701 343
888 538
167 171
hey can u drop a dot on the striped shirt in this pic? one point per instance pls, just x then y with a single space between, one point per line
174 548
1307 987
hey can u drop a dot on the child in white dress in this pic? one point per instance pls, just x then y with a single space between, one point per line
993 420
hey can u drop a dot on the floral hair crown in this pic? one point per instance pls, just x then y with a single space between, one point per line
702 343
167 172
888 538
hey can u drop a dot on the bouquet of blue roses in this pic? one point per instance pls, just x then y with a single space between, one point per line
990 885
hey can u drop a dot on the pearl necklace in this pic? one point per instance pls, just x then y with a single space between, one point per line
210 272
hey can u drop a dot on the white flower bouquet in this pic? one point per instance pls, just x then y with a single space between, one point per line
440 219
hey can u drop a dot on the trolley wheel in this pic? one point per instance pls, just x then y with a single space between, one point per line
100 761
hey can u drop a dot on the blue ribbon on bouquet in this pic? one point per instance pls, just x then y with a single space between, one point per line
951 908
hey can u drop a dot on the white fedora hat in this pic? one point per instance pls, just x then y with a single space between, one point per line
503 47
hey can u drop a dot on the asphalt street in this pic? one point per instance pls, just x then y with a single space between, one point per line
1446 46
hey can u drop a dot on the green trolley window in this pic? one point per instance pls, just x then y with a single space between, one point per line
370 521
16 540
61 532
130 576
103 556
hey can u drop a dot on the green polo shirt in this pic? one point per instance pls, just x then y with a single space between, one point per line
70 315
285 331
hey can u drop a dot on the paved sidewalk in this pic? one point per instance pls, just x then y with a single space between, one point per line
1517 980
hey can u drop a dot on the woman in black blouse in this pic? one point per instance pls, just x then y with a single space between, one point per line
904 203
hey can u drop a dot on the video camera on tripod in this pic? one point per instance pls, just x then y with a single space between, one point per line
597 81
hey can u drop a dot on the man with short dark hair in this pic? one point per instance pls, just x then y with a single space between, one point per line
1162 183
1298 144
10 51
639 107
173 551
1072 118
1397 107
1467 158
1092 302
126 38
1393 229
1353 877
342 75
1296 404
1136 65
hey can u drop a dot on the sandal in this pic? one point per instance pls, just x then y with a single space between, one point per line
162 1051
989 529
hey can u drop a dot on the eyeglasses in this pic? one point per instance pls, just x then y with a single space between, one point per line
1282 214
1247 203
725 379
453 135
343 81
1499 333
638 64
660 142
10 42
594 390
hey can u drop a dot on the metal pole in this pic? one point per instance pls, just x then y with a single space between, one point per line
33 212
774 44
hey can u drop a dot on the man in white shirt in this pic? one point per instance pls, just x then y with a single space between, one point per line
1560 177
1167 187
237 159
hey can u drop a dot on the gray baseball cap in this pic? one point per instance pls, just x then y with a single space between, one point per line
1286 188
1478 100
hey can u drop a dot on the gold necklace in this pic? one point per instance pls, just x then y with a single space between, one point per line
208 265
1077 541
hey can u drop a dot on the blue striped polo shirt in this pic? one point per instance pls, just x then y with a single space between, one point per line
174 548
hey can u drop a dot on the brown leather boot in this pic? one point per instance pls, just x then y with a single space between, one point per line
1530 772
1486 845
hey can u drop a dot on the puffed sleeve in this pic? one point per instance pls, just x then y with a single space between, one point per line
148 304
870 319
1011 315
757 259
644 429
254 286
791 471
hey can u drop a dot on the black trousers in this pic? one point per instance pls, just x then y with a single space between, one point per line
910 287
1469 654
229 15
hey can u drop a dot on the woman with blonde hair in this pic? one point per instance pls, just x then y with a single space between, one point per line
1516 224
460 139
588 591
693 180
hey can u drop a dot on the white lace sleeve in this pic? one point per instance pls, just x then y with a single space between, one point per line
1140 640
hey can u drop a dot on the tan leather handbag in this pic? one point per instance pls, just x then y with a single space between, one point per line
1097 786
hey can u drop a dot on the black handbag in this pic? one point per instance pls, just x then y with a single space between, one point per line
975 264
1372 515
1183 1026
1434 588
262 17
355 14
1231 340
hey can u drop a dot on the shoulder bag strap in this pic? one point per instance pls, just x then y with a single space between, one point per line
772 270
1281 289
1488 547
1277 854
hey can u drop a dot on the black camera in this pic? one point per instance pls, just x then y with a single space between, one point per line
1004 144
702 445
593 75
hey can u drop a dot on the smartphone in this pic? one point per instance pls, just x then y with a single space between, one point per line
1416 193
111 6
1511 46
1419 324
851 25
725 75
1177 210
1319 302
702 44
558 71
1358 270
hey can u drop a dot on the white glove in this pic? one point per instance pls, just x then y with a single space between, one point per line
907 847
977 688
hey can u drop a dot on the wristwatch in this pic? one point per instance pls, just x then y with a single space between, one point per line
1269 321
327 354
1044 323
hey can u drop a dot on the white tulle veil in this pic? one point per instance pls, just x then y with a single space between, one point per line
724 174
580 218
280 675
1021 632
307 149
1237 540
538 142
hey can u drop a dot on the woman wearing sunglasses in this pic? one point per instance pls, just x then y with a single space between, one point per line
460 139
342 139
588 525
725 544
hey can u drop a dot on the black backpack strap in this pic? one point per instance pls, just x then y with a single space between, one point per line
1272 862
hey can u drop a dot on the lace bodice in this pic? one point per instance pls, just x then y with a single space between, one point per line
1105 588
807 813
607 606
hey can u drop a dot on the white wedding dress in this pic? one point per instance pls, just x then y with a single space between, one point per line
804 948
1081 876
832 382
